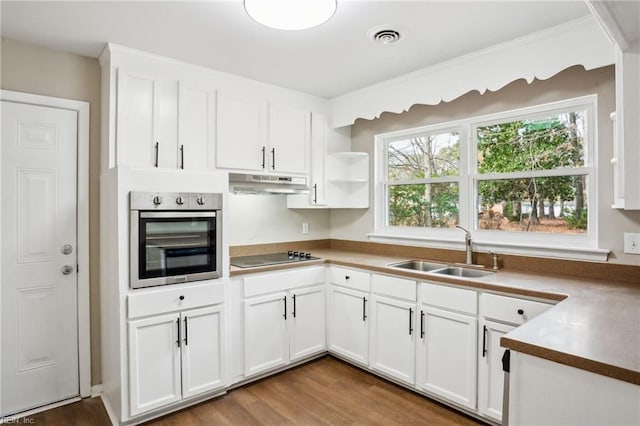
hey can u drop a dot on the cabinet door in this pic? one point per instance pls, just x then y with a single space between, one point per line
265 335
348 324
202 350
154 363
307 323
392 348
240 127
447 356
490 374
288 139
147 132
318 156
195 128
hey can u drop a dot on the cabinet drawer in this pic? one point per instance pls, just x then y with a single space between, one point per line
456 299
167 300
506 309
349 278
401 288
263 283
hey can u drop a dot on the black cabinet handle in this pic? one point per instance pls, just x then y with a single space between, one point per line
294 306
178 325
520 311
285 307
263 155
315 193
410 321
186 332
364 309
273 158
156 149
422 324
182 156
484 341
346 277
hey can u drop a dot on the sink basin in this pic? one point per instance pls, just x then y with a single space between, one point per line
462 272
418 265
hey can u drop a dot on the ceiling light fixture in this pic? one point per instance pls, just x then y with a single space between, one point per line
290 14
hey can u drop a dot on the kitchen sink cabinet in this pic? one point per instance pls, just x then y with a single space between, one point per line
163 122
175 356
447 348
392 346
256 135
284 318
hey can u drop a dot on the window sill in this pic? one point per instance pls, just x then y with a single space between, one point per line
569 253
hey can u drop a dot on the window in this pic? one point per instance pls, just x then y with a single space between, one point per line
528 171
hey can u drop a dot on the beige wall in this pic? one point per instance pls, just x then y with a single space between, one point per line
573 82
32 69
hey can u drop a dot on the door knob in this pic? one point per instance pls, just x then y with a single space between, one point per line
67 269
66 249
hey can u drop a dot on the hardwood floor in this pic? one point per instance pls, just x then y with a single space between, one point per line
326 391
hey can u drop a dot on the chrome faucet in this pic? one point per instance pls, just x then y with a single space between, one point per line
467 245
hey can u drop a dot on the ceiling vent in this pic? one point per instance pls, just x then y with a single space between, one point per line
384 34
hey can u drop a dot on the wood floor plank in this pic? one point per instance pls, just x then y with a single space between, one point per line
326 391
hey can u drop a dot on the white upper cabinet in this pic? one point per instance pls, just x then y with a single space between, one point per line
241 137
255 136
163 122
289 135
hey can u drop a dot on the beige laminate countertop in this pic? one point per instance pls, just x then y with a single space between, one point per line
595 325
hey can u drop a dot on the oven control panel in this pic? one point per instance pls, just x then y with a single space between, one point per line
175 201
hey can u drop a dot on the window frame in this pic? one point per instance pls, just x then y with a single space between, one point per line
469 177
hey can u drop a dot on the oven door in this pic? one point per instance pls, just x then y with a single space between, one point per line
174 247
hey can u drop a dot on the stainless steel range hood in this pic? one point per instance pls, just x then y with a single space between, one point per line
267 184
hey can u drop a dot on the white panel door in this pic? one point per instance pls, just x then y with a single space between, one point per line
265 333
307 323
202 368
154 362
195 127
349 324
490 374
288 139
447 356
393 338
39 300
240 134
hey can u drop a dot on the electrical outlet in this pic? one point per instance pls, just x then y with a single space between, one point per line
631 243
305 228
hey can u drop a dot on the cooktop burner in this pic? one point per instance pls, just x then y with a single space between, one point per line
271 259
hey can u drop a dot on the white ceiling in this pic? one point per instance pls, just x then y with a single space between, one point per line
326 61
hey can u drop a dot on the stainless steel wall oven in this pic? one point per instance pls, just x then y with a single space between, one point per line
175 237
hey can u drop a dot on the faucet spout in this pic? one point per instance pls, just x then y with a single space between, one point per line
467 245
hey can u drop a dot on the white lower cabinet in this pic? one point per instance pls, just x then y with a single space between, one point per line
348 323
498 316
174 356
265 327
490 375
446 363
392 348
284 318
307 324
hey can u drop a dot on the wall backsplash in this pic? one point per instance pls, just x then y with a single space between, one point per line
256 219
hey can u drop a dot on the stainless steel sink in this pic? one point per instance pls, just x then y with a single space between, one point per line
462 272
418 265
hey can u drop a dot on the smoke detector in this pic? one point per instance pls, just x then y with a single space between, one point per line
384 34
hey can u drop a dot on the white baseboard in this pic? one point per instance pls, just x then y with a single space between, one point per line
96 390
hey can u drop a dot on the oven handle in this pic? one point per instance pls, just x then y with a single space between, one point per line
179 215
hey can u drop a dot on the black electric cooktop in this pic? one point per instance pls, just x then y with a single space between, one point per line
271 259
